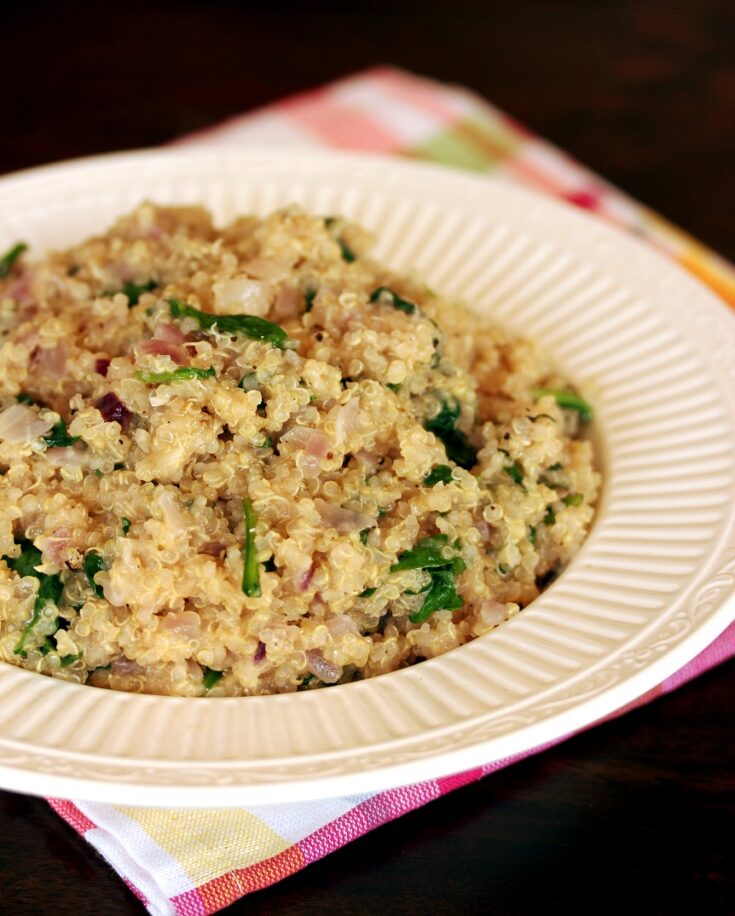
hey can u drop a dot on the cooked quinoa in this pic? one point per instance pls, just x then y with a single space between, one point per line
254 460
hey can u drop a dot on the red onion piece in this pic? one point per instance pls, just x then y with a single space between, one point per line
318 445
56 544
50 361
313 441
492 612
369 460
340 625
170 333
485 530
62 457
186 623
317 665
113 409
21 289
125 666
289 302
19 423
155 347
305 578
347 419
343 520
267 268
212 548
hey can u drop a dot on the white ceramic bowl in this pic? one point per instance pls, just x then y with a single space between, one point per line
652 586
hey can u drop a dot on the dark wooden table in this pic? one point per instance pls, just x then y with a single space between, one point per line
637 815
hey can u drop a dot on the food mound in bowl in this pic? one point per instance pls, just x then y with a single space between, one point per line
255 461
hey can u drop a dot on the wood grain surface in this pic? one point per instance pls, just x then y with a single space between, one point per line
635 816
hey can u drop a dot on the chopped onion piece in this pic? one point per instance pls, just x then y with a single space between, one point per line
21 424
317 665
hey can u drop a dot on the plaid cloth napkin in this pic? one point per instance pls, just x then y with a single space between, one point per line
195 862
